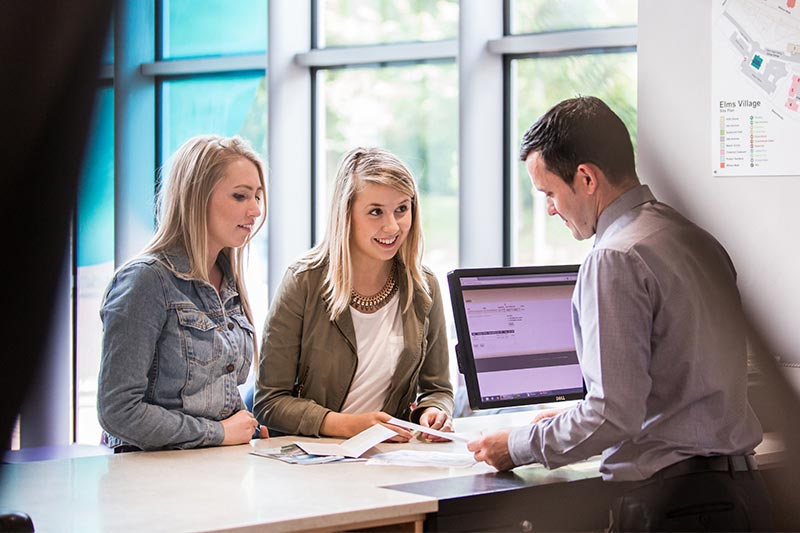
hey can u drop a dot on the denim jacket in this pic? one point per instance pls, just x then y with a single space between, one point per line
173 354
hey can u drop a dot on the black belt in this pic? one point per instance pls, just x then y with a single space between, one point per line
715 463
125 448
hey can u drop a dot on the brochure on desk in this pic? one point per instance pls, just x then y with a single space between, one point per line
304 452
293 454
354 446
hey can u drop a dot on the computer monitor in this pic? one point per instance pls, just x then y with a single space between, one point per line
514 328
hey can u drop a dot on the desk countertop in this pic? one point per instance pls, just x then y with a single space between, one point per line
228 488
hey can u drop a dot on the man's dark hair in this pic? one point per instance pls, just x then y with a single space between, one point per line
581 130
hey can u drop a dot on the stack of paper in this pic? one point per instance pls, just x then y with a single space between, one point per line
302 452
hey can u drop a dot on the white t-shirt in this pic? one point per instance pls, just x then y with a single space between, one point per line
379 340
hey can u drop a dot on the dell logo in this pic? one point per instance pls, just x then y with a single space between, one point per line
560 398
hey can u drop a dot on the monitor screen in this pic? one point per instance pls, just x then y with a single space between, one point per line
514 328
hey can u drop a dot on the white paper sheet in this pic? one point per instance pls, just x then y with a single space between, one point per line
422 458
428 431
354 446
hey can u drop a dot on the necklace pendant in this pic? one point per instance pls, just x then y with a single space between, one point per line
369 303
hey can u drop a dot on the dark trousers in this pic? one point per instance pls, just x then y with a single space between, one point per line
698 494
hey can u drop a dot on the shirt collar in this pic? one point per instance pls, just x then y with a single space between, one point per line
178 261
628 200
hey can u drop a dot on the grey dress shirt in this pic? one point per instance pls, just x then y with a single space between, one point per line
660 336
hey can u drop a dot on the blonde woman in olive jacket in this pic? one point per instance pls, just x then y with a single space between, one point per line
356 331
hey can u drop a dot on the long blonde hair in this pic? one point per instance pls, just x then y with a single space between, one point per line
182 203
357 168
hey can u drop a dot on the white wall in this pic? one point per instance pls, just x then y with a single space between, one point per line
756 218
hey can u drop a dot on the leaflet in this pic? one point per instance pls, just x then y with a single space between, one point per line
354 446
428 431
292 454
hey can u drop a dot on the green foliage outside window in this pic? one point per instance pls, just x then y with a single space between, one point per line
535 16
360 22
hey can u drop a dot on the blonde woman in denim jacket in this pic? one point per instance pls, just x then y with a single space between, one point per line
177 329
356 330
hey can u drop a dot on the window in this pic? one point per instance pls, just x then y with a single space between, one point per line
598 61
535 16
224 105
205 28
359 22
93 260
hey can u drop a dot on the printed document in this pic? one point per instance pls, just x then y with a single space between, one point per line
352 447
428 431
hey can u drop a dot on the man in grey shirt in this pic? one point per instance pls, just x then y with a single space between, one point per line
659 332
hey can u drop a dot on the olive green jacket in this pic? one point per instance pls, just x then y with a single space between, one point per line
308 362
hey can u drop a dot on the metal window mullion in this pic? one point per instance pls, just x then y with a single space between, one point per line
564 41
206 65
384 53
289 137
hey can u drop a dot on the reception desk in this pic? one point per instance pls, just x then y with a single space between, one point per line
230 489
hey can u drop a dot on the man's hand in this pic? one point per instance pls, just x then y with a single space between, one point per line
493 450
435 418
547 414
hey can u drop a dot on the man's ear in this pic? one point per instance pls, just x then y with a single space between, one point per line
588 175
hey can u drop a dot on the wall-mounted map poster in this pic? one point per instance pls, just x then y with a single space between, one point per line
755 87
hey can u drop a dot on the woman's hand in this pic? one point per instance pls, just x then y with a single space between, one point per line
239 428
346 425
435 418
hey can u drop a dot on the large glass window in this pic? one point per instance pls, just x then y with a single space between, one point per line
360 22
94 262
224 105
537 84
534 16
202 28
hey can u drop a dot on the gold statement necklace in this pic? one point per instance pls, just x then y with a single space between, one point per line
367 304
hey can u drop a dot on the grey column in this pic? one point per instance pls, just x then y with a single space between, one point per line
134 127
480 134
289 141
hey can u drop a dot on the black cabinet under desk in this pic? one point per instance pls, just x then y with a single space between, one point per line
526 499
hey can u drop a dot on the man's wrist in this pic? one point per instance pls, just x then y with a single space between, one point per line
520 449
